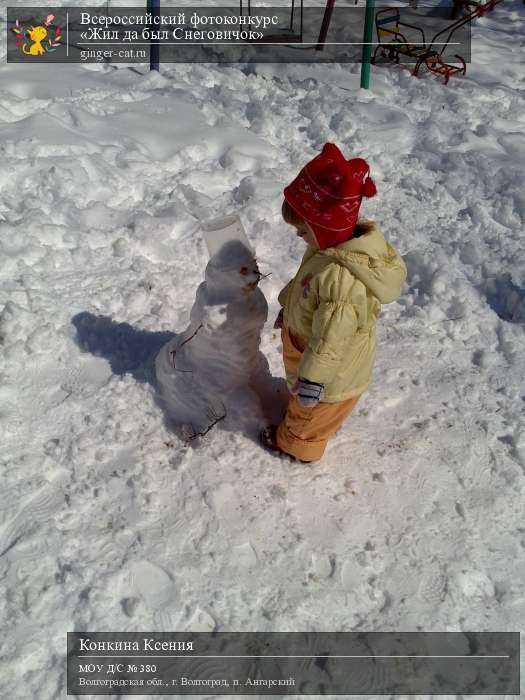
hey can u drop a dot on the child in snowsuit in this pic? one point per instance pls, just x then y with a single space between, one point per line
330 308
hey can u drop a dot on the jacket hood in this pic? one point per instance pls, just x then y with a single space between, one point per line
374 262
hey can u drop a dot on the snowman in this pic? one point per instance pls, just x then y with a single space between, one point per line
204 373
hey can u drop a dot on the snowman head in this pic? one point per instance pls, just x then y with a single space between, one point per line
232 271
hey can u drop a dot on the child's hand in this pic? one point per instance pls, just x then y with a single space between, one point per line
279 320
308 393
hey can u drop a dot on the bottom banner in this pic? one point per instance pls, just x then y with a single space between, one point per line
292 663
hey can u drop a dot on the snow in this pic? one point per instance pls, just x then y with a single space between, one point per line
109 520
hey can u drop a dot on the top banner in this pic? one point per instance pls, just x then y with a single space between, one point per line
291 34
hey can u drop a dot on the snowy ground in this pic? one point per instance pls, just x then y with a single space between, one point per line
415 517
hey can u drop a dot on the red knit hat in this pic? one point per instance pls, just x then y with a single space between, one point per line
327 194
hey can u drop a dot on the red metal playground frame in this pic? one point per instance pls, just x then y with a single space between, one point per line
423 52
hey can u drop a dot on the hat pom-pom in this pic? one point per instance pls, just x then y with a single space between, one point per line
369 188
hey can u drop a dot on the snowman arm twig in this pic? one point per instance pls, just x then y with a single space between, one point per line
174 352
215 419
191 336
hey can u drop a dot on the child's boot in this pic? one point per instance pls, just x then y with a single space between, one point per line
268 439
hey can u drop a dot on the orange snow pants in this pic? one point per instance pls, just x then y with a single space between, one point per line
304 432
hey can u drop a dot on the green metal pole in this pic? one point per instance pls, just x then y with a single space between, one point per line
367 44
153 6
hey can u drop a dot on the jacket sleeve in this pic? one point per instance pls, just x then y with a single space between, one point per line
333 327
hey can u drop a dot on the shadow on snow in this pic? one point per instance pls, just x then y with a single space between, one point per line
133 351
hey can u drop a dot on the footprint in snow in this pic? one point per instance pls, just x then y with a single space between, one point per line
157 589
323 566
433 586
245 556
35 512
200 621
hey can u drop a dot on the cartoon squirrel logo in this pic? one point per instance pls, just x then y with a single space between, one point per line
37 35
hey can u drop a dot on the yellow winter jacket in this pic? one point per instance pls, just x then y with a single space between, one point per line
332 305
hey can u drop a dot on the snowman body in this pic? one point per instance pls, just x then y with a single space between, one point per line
199 372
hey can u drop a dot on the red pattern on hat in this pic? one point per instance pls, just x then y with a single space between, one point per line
327 194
